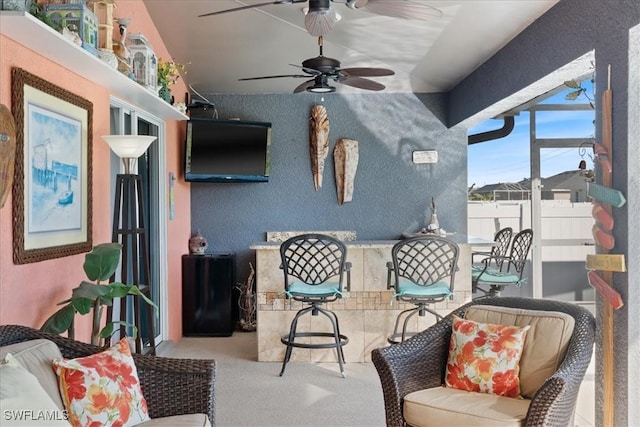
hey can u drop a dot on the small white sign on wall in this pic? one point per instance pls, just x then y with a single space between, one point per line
426 156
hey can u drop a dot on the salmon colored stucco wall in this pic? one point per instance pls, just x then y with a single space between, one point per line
29 292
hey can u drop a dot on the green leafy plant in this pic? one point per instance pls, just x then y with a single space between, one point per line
38 10
99 265
169 72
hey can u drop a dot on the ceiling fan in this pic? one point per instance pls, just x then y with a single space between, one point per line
321 69
321 17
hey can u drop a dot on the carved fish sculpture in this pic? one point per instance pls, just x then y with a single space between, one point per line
7 152
345 159
319 142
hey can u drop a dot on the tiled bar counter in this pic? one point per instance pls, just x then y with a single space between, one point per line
366 313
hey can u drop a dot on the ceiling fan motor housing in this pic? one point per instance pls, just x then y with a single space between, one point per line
322 64
319 6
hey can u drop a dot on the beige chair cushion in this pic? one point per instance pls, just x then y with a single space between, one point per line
444 406
545 344
23 400
190 420
36 356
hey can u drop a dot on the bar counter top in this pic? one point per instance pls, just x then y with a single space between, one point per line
461 239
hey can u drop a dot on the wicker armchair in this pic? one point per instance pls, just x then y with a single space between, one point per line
170 386
420 362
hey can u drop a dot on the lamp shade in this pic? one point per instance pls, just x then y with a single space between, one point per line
129 146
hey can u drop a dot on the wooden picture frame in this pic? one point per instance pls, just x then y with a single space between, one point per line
52 200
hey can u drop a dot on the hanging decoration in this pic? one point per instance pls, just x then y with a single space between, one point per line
345 160
7 152
602 282
319 142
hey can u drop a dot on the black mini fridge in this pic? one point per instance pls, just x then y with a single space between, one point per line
207 289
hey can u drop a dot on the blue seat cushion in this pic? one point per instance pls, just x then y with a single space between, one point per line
406 287
301 289
493 276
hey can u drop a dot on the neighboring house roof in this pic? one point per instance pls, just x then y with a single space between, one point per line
568 180
503 186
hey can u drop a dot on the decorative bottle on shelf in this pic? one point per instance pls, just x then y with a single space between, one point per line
165 93
197 244
433 226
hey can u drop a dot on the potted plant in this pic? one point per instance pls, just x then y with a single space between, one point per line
168 73
99 265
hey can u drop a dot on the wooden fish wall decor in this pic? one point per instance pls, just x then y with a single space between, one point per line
7 152
319 142
345 159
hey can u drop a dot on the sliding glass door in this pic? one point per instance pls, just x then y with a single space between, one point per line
126 120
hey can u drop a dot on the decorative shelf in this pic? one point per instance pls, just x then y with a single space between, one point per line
30 32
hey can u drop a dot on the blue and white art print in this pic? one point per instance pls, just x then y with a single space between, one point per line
52 185
55 150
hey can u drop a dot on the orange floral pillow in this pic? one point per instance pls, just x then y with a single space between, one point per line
102 389
485 358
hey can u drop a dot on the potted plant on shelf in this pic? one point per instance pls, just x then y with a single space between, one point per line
99 265
168 74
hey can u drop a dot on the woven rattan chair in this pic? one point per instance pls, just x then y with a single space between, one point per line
420 363
422 271
170 386
314 266
495 272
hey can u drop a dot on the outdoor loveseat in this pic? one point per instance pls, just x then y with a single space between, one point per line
182 389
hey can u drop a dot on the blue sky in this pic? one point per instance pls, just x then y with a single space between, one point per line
508 160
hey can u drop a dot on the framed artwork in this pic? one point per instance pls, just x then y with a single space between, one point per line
52 202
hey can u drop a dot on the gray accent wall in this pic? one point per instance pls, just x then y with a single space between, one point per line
391 195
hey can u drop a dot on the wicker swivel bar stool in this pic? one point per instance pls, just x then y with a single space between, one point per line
316 263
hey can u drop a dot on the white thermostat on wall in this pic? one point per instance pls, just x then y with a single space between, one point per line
426 156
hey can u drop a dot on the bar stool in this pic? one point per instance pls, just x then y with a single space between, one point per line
318 263
422 272
497 272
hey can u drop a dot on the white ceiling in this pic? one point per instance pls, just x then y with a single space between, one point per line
427 56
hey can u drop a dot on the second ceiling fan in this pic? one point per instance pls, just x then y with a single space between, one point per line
321 69
321 17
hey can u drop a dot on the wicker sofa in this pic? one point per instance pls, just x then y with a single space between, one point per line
418 365
170 386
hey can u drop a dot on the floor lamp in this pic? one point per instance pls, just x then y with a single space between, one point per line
129 230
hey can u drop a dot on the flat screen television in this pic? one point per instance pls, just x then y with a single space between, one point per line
227 151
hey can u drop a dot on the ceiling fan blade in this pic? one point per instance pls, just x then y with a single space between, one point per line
274 77
303 87
252 6
361 83
366 72
405 9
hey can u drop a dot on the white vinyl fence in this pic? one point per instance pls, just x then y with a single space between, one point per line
566 240
566 227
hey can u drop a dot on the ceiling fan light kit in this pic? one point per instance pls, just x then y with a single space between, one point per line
320 85
320 17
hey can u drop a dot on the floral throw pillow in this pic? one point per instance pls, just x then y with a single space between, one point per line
485 358
102 389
